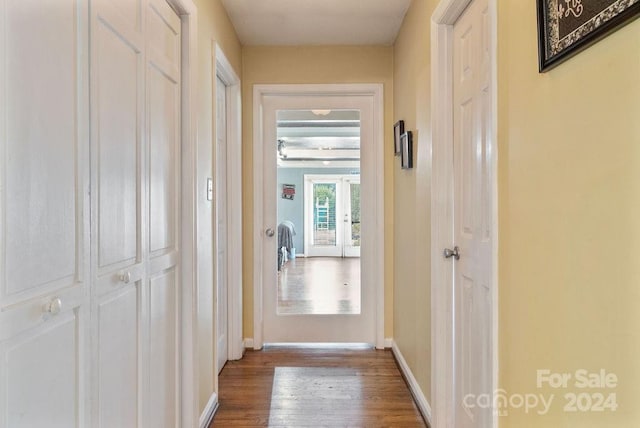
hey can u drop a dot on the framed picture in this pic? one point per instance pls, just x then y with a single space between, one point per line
288 191
398 130
565 27
406 147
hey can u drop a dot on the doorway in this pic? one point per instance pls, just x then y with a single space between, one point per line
366 326
225 191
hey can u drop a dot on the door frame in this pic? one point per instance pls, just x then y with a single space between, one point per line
227 74
443 19
375 91
188 13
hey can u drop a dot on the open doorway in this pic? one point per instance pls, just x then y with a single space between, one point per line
318 205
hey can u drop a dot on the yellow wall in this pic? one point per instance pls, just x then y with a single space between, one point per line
213 26
411 246
569 208
324 64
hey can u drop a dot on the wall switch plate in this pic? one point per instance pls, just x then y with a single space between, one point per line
209 189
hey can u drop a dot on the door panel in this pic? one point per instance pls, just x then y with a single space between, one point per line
41 146
30 404
163 169
119 356
119 120
163 369
44 215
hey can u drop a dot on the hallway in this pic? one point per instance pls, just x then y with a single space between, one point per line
295 387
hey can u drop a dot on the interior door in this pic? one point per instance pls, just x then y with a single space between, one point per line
472 215
44 213
136 158
221 223
281 327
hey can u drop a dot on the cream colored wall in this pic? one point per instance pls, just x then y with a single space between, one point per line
569 228
412 291
318 64
213 26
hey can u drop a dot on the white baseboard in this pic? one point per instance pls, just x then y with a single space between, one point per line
248 343
416 391
209 411
388 343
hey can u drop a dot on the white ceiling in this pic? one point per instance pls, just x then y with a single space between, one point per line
316 22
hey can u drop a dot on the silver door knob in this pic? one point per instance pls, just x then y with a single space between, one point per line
54 307
455 253
270 232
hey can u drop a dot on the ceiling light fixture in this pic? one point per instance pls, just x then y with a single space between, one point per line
321 112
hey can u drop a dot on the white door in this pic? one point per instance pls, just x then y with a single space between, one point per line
351 216
332 215
44 213
473 356
136 168
359 327
221 223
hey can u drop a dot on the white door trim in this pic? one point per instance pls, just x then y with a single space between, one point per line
377 220
227 74
187 11
442 333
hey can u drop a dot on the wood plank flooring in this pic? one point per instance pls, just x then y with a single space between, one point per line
319 286
311 387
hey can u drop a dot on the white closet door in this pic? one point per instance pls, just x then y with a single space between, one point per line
44 213
472 213
136 123
163 178
118 199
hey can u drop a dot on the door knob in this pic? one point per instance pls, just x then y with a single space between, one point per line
270 232
125 277
54 307
455 253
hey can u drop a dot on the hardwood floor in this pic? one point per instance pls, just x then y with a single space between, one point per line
310 387
319 286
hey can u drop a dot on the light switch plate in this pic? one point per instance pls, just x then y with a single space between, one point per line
209 189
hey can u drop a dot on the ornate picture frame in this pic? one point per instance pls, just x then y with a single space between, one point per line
565 27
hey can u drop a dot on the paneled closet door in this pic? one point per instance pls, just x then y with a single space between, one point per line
136 158
44 213
119 302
